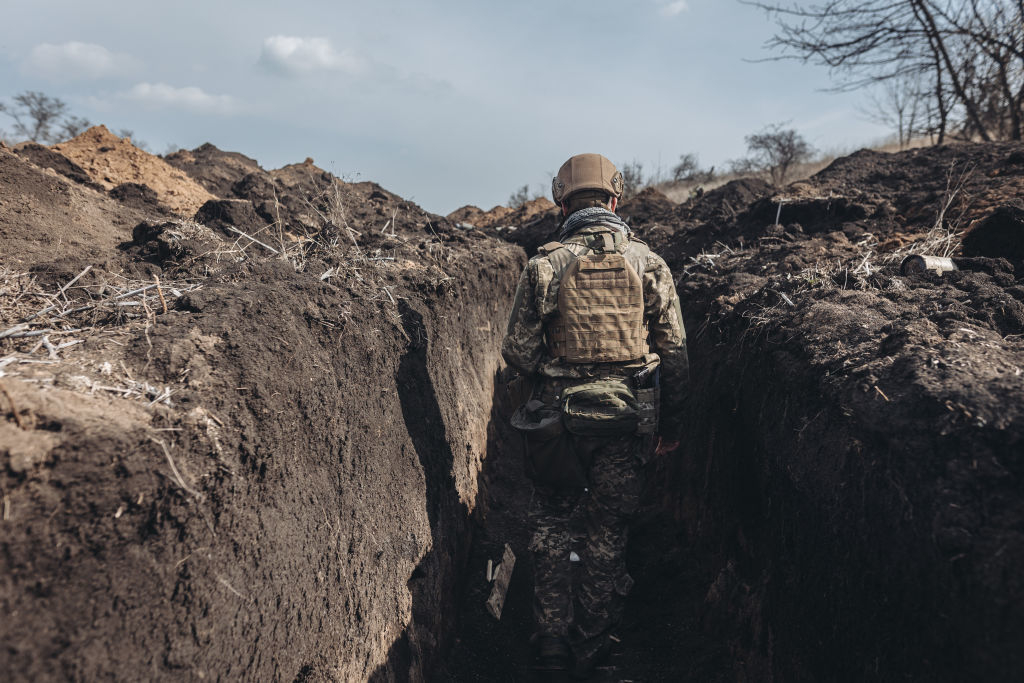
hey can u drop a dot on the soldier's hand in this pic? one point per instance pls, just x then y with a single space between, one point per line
665 447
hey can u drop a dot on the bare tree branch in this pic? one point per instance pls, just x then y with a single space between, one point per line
971 51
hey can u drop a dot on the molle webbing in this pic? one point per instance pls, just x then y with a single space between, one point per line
600 308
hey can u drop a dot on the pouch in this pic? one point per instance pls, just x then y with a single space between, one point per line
549 456
606 407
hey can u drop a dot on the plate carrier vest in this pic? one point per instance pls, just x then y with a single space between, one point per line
600 316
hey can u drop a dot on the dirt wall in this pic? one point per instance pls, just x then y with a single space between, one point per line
853 458
330 455
289 500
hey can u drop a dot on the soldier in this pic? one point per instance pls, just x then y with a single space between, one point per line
595 326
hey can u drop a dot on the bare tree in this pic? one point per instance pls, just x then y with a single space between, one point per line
688 170
633 179
775 151
35 114
994 32
901 104
73 126
970 52
519 197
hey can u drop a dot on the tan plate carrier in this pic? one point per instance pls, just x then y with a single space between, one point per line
600 315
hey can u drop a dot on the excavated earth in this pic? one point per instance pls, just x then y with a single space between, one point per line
261 469
287 457
856 444
848 501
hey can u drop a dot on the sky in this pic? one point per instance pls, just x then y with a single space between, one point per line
444 102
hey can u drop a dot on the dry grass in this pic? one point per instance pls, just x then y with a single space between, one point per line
40 324
943 238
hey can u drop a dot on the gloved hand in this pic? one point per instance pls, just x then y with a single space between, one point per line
666 447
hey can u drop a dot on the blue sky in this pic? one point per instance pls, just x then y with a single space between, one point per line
444 102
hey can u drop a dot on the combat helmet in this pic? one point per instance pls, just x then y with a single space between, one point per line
586 172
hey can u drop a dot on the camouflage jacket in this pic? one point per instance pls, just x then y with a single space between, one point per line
536 302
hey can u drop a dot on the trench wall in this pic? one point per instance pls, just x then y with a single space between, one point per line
860 534
308 518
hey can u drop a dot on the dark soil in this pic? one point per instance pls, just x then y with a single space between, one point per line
138 196
308 519
44 217
338 468
214 169
1000 235
44 157
854 464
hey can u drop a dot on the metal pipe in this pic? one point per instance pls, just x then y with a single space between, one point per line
917 263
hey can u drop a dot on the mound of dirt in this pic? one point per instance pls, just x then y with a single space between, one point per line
111 161
225 214
44 157
503 216
467 214
1000 235
533 209
298 201
214 169
45 216
648 206
495 215
138 196
854 457
219 461
529 225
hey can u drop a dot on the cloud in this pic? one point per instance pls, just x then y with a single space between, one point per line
290 54
77 61
189 97
671 9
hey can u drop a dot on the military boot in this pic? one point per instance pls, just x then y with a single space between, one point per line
551 654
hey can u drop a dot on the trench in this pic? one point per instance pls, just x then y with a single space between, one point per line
321 499
335 520
792 538
346 521
662 636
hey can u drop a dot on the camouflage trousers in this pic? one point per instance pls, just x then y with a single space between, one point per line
585 610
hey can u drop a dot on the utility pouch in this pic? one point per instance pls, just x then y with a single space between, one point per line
603 408
549 456
518 390
647 388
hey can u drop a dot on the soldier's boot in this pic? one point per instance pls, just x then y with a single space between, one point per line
590 639
589 653
552 653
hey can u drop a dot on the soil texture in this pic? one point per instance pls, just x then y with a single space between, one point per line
848 502
253 425
111 161
221 461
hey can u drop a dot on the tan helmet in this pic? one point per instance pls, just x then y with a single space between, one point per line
586 172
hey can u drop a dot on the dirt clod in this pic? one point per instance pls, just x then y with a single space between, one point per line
999 235
111 161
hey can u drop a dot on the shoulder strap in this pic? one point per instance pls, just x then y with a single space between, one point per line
559 257
636 255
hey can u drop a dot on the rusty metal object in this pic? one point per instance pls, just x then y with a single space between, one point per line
502 576
919 264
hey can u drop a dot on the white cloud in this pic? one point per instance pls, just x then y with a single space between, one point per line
671 9
291 54
189 97
75 60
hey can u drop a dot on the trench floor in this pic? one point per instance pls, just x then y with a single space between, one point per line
662 637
